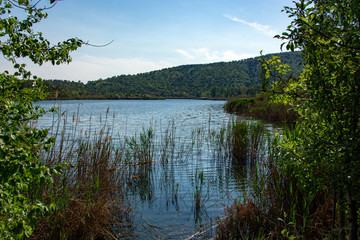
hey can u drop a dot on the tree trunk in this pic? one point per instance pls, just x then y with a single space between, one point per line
341 208
353 218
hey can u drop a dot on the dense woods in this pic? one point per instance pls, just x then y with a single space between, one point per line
215 80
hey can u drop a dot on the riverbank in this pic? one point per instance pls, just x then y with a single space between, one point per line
261 108
131 98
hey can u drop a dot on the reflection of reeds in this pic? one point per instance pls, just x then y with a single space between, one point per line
200 197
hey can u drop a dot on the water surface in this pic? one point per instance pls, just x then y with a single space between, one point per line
163 195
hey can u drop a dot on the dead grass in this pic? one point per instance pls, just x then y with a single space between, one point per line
87 197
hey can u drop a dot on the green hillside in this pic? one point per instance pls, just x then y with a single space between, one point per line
215 80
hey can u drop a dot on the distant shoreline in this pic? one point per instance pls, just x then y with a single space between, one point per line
135 98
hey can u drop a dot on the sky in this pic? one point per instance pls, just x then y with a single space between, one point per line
149 35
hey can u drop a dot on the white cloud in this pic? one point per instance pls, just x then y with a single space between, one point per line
257 26
185 54
204 55
86 67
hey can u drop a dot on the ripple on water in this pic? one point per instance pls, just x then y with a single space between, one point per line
164 196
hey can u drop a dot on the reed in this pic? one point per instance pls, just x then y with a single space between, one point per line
198 188
87 197
277 208
98 172
240 141
261 108
257 140
140 150
168 144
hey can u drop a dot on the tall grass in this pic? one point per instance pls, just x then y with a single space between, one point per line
278 209
140 150
87 198
240 140
261 108
199 196
90 195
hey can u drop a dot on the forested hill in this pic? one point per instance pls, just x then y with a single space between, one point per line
215 80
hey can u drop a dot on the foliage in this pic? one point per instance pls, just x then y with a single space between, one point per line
22 172
324 153
272 70
22 41
238 104
262 108
215 80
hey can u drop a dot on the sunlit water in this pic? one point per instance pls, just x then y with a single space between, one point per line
163 197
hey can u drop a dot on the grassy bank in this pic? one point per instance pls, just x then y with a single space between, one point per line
261 108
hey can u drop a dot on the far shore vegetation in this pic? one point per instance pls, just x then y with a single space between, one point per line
222 80
261 108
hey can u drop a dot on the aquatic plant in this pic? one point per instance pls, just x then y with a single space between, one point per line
88 196
141 149
261 108
198 188
117 169
240 141
277 208
256 132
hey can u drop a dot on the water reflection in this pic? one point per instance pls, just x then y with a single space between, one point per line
178 173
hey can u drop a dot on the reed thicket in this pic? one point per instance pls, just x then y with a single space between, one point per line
277 208
261 108
90 195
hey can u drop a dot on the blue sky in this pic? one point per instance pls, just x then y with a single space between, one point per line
154 34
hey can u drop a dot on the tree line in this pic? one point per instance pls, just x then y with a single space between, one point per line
215 80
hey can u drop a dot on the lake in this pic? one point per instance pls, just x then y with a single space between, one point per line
163 197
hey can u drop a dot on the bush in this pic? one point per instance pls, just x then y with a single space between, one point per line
21 169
